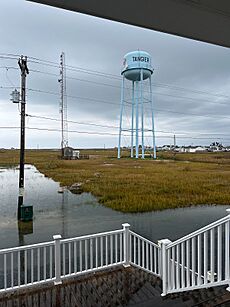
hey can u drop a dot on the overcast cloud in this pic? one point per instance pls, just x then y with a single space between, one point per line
95 44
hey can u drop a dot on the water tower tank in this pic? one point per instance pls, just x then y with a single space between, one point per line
134 62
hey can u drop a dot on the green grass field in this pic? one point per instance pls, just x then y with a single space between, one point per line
130 185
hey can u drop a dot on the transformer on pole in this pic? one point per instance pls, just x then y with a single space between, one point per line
63 104
137 69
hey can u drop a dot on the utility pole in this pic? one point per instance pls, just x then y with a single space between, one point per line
22 62
174 138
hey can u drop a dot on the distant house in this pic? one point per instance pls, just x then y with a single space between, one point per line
191 149
197 149
71 153
166 147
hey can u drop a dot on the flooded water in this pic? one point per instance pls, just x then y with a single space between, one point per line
74 215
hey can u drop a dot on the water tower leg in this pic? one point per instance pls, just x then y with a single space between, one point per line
133 84
137 119
153 130
121 114
142 119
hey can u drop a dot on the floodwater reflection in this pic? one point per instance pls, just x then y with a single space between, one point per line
74 215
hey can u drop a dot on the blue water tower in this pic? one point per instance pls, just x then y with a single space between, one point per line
137 68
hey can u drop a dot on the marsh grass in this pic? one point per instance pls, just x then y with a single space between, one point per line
129 185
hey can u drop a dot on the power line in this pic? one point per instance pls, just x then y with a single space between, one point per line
155 84
111 134
10 54
8 87
9 67
93 100
89 124
116 127
129 105
155 93
112 76
8 58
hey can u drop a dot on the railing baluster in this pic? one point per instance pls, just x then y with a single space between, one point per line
44 262
12 269
111 249
227 250
32 265
91 253
69 258
151 258
106 250
143 254
38 263
116 248
51 262
147 256
169 282
86 254
134 249
80 254
188 263
177 267
5 271
139 251
102 260
25 264
130 247
75 256
212 254
173 268
19 269
159 262
63 253
205 256
199 259
121 248
156 270
96 248
182 266
219 253
193 262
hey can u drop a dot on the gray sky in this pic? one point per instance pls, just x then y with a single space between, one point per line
183 68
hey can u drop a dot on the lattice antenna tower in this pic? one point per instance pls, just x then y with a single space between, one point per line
63 104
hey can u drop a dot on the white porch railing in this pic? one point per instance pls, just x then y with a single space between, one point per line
198 260
145 254
29 265
26 265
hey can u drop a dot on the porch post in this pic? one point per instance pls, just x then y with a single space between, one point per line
57 255
164 265
126 244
